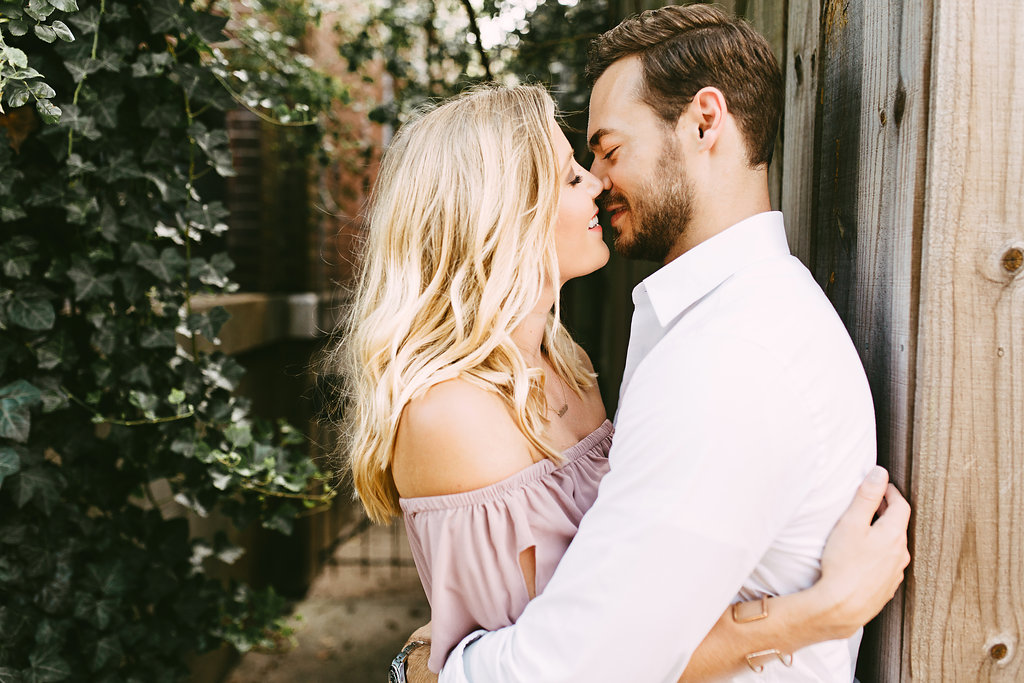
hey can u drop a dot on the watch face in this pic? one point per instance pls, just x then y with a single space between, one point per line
396 674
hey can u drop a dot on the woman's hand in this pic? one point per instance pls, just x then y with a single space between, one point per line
862 564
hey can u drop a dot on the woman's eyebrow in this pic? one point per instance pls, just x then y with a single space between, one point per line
568 161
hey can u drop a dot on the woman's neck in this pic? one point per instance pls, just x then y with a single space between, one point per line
529 334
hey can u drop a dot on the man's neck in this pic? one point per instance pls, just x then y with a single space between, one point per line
733 203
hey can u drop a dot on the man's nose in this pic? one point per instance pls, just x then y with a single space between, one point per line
599 171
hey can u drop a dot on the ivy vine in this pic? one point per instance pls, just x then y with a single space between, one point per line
112 149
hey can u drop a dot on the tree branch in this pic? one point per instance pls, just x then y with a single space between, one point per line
475 28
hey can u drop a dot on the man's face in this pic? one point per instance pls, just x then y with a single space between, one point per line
640 161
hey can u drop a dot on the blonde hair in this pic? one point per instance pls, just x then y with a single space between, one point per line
460 249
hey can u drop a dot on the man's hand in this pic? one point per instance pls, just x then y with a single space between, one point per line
862 564
416 670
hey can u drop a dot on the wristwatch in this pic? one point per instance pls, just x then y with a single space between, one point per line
396 674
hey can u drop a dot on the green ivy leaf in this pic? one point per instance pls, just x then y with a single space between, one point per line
87 284
49 112
105 110
17 27
87 20
41 90
155 338
164 16
36 483
221 480
47 666
20 393
80 68
210 27
15 399
44 33
239 434
14 423
167 267
162 117
18 95
14 56
107 651
18 267
139 375
98 613
31 313
9 463
109 579
49 634
53 397
62 30
65 5
9 675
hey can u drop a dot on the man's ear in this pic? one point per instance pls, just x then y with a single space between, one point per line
702 121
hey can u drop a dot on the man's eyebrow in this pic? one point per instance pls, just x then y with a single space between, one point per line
595 139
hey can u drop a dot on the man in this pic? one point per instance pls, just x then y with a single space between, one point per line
745 421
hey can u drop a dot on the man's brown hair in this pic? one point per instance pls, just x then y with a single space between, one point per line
684 49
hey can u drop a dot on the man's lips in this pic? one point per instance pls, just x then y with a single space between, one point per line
615 213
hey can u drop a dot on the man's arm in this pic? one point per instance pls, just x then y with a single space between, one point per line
862 566
702 479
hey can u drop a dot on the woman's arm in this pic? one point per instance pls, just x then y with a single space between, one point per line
862 566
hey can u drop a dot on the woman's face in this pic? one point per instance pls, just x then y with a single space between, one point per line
578 243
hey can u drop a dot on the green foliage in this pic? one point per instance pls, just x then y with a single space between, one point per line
112 137
430 50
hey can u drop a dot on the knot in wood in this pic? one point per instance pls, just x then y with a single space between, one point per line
998 651
1012 260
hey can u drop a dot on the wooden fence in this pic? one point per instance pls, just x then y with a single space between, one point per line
901 176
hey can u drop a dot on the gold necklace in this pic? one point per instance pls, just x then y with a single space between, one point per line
565 401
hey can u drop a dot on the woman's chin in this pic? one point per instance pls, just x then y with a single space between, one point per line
597 265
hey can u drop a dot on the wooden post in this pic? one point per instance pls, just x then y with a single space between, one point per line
798 125
965 607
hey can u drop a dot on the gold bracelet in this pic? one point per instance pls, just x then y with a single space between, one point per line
787 660
755 617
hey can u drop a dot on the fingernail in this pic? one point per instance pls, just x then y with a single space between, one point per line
878 475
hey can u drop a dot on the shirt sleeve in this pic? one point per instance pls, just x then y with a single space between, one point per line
712 455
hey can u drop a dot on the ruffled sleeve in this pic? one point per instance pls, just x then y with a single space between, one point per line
467 545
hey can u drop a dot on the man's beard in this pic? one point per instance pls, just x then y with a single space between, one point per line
659 211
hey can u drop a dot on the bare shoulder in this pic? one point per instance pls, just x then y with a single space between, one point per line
456 437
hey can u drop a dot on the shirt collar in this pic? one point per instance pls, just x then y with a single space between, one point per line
676 286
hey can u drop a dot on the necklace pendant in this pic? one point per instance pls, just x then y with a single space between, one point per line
561 411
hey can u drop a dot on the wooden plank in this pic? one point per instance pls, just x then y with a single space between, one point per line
883 305
798 124
837 155
966 594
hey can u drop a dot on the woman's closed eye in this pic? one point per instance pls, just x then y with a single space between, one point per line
576 180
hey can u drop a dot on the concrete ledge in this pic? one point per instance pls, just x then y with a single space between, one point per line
259 319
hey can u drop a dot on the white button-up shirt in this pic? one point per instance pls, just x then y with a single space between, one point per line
745 426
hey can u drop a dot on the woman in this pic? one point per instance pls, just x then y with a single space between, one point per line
471 409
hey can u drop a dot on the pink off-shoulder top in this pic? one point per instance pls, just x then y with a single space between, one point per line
467 545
